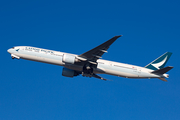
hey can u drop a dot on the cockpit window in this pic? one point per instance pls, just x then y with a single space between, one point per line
12 47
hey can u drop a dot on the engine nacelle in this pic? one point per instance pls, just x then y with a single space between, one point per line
68 58
69 73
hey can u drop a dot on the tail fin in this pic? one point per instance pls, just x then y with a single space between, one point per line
160 62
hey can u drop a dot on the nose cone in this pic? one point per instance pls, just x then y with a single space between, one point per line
9 50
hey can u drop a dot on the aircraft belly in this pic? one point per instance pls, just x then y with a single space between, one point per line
148 75
125 72
118 71
39 58
121 74
74 67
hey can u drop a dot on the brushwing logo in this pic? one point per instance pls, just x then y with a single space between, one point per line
157 65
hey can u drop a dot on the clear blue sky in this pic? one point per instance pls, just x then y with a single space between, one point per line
37 91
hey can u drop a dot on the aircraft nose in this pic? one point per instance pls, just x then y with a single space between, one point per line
9 50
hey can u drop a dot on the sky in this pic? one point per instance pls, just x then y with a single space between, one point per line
38 91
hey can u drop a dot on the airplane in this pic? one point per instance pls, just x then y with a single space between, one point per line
90 64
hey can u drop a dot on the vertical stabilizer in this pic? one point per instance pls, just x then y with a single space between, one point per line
160 62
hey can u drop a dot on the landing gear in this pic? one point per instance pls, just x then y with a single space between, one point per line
87 71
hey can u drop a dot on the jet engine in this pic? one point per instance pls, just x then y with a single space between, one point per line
69 73
69 58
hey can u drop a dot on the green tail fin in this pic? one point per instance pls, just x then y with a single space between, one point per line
160 62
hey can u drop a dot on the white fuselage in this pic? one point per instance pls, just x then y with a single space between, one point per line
103 66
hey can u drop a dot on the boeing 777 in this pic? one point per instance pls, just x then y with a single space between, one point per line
89 63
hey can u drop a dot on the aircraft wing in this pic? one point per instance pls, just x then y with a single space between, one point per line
96 53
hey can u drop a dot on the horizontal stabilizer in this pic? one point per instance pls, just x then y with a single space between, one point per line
97 76
163 70
163 79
